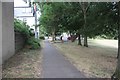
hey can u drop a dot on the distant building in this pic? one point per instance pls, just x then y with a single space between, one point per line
24 11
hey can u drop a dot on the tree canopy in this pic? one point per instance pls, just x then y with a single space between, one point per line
83 18
101 18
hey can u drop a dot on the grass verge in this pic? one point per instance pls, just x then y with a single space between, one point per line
95 61
24 64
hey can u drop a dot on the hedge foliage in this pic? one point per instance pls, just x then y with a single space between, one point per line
30 41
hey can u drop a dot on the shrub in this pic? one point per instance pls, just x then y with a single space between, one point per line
29 36
33 43
42 37
21 27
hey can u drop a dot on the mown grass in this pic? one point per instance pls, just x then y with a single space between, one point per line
95 61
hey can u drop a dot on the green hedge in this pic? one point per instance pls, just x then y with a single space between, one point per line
30 41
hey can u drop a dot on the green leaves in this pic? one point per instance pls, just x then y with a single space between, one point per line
101 18
21 27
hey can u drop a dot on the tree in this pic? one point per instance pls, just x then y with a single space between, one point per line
85 6
87 19
104 18
72 20
117 72
50 18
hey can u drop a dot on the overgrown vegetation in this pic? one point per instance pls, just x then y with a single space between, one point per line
30 41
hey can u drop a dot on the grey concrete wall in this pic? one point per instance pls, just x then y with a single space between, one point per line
8 42
0 32
19 41
0 40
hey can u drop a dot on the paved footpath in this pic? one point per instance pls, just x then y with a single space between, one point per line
56 66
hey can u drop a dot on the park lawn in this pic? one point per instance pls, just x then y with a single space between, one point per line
24 64
98 60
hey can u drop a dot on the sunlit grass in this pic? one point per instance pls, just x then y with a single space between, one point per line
99 59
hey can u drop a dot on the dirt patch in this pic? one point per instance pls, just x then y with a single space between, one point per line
95 61
24 64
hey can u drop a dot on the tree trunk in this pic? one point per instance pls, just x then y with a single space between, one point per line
53 35
116 75
84 7
118 68
70 33
79 40
85 36
85 41
118 30
117 56
118 49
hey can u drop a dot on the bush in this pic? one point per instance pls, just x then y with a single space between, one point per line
29 36
33 43
21 27
42 37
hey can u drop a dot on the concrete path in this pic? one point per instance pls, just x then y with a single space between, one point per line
56 66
